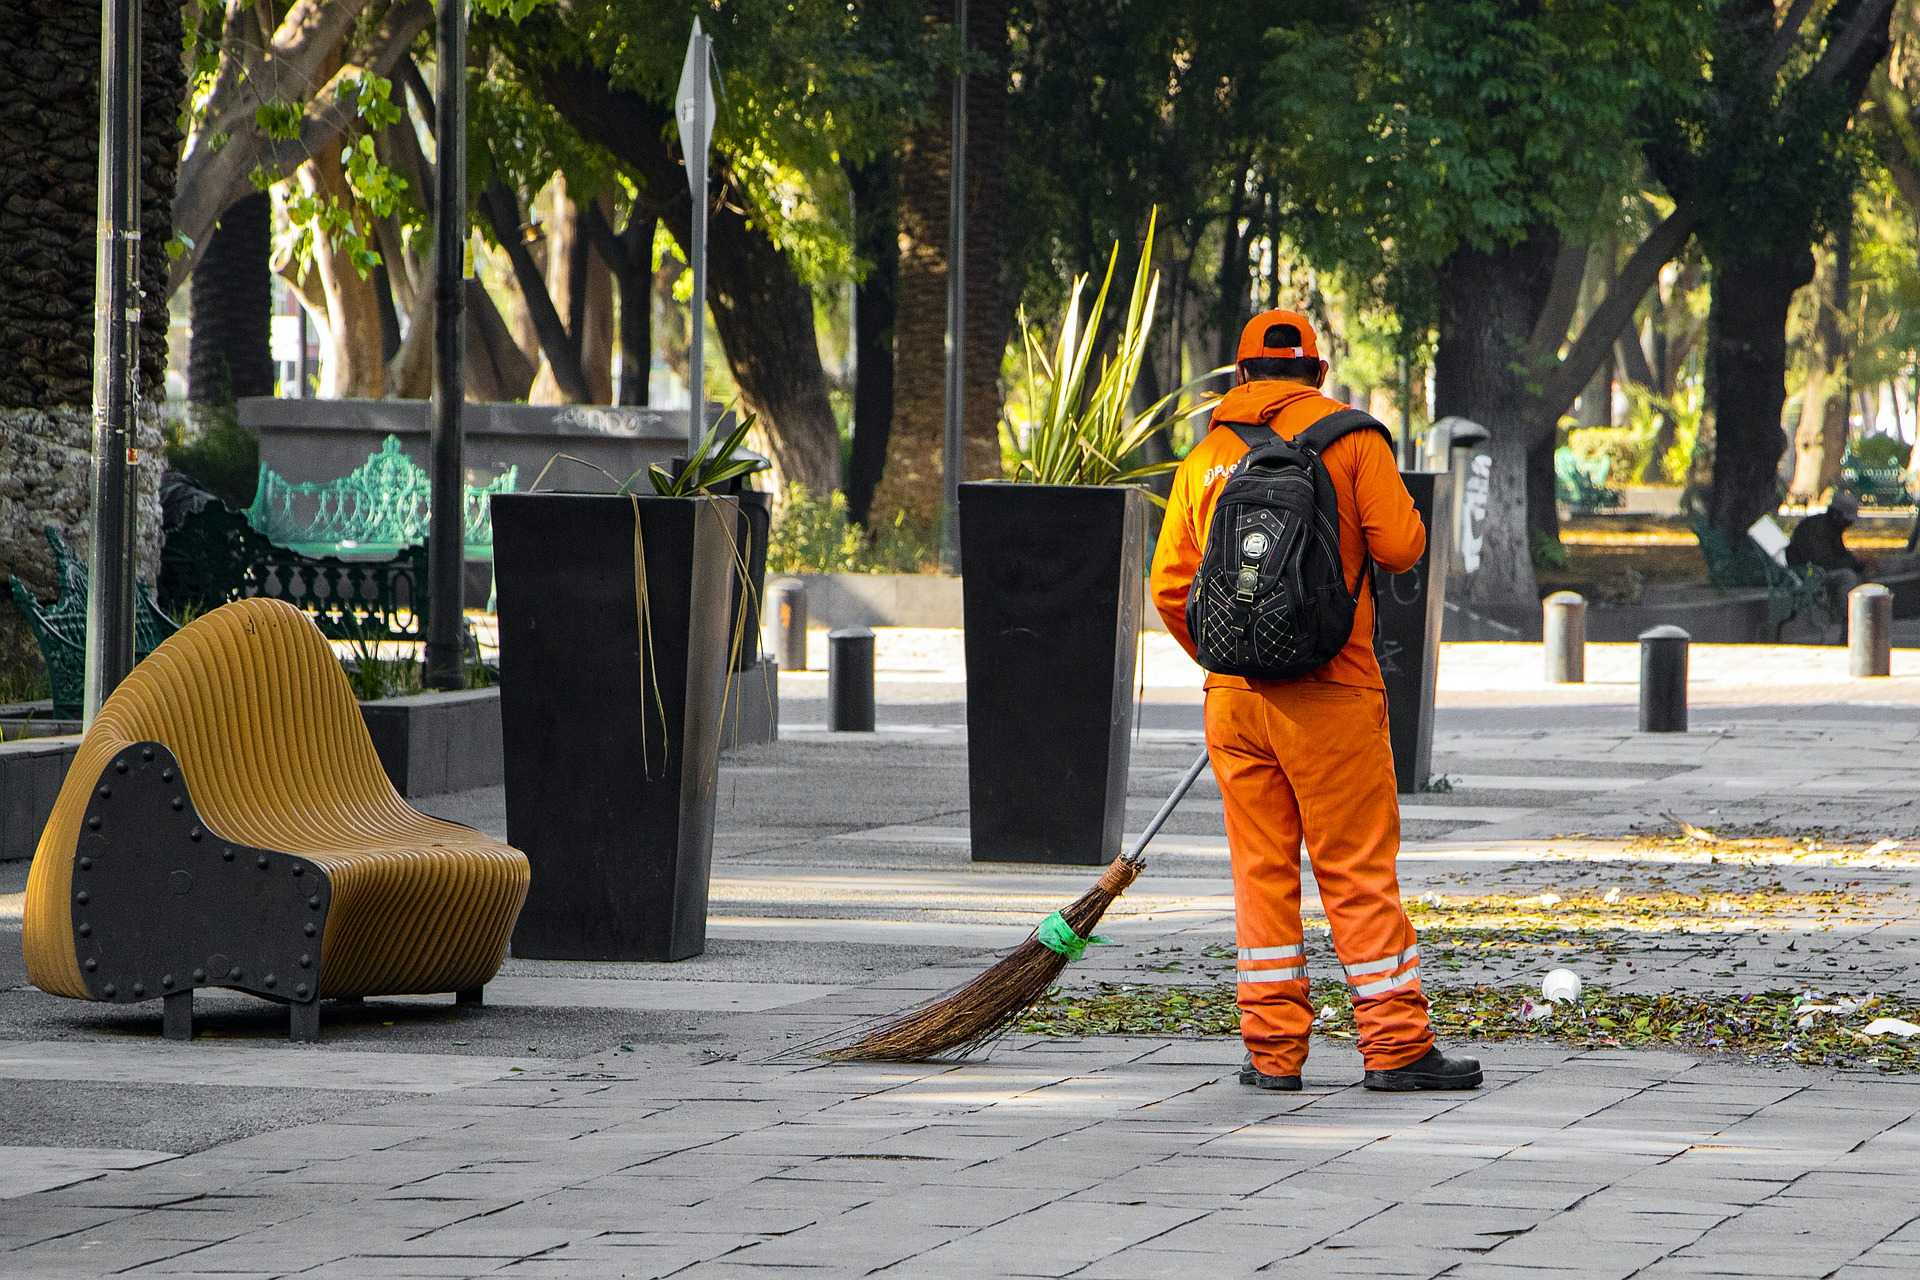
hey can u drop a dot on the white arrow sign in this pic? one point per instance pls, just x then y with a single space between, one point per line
693 109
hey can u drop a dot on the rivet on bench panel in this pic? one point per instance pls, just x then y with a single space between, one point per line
261 862
146 753
86 864
199 975
92 964
311 931
306 961
82 897
93 822
270 981
139 988
166 979
234 973
109 990
85 930
195 833
300 990
166 775
314 901
226 855
104 792
299 870
179 802
120 765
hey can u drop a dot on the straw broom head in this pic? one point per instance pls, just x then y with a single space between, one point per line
973 1015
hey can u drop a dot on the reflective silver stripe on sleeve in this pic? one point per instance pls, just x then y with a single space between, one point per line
1272 953
1362 990
1383 966
1288 974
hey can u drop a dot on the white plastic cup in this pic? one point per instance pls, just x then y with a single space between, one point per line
1562 986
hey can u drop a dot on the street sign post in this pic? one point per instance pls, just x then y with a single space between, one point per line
446 530
693 108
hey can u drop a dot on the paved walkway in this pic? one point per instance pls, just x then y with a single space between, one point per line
621 1120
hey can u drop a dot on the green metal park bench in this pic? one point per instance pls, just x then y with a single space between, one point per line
1581 483
60 626
1875 486
1792 591
374 512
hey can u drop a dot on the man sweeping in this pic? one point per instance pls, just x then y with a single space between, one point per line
1277 520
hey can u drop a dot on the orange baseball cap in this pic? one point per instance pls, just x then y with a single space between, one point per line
1260 341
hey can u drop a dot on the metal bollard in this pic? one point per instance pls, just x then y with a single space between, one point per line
786 615
1663 680
1563 628
850 680
1870 630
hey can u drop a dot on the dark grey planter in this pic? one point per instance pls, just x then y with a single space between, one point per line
610 786
1412 612
1051 592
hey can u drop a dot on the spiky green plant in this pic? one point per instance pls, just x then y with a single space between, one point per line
1082 429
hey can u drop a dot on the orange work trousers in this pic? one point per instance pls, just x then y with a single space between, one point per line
1311 758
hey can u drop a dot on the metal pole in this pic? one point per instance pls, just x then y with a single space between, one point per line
1663 680
446 531
116 363
696 409
1563 631
850 680
1869 631
952 456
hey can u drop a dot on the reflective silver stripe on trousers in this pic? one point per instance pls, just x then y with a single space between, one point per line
1384 985
1272 953
1288 974
1355 971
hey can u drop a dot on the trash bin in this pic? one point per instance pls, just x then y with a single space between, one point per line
1412 606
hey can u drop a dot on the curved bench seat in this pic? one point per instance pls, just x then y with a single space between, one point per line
226 823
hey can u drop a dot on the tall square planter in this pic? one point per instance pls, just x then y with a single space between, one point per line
611 739
1051 593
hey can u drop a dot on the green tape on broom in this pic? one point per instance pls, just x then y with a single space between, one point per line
1055 934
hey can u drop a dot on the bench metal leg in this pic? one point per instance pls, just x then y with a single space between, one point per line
472 995
303 1022
176 1015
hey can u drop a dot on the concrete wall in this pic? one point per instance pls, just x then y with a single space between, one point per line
31 771
896 600
316 440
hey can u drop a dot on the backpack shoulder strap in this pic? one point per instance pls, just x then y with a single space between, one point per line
1341 422
1252 434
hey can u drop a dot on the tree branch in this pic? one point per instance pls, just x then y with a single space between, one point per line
1641 272
1563 297
502 209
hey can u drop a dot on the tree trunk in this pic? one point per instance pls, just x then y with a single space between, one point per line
355 366
635 284
583 296
876 212
49 121
230 295
1747 381
762 310
912 483
559 352
1820 440
1489 306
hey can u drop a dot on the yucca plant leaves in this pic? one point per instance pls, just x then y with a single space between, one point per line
1081 430
711 465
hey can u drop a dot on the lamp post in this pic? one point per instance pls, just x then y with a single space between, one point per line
446 530
116 364
952 452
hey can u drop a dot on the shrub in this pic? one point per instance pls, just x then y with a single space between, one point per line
222 457
1879 451
816 535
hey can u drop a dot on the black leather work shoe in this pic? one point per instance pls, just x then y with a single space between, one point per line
1253 1077
1435 1071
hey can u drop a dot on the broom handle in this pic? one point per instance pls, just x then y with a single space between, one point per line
1138 854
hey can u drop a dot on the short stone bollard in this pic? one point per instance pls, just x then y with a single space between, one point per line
1870 630
1663 680
1563 628
850 680
786 615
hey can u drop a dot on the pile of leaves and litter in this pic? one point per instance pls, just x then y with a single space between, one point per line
1809 1028
1659 910
1764 843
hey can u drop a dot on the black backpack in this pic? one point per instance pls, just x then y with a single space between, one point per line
1271 601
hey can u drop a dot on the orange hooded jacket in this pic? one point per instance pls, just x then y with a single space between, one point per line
1376 514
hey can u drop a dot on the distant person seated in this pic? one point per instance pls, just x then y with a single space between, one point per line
1820 540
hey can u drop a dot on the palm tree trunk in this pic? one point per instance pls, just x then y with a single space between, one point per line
230 295
49 66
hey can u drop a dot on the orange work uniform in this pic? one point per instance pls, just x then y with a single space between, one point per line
1308 757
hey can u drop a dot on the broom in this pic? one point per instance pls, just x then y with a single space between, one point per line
971 1016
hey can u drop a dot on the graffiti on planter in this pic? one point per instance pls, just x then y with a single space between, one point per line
1388 653
1473 511
1404 588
